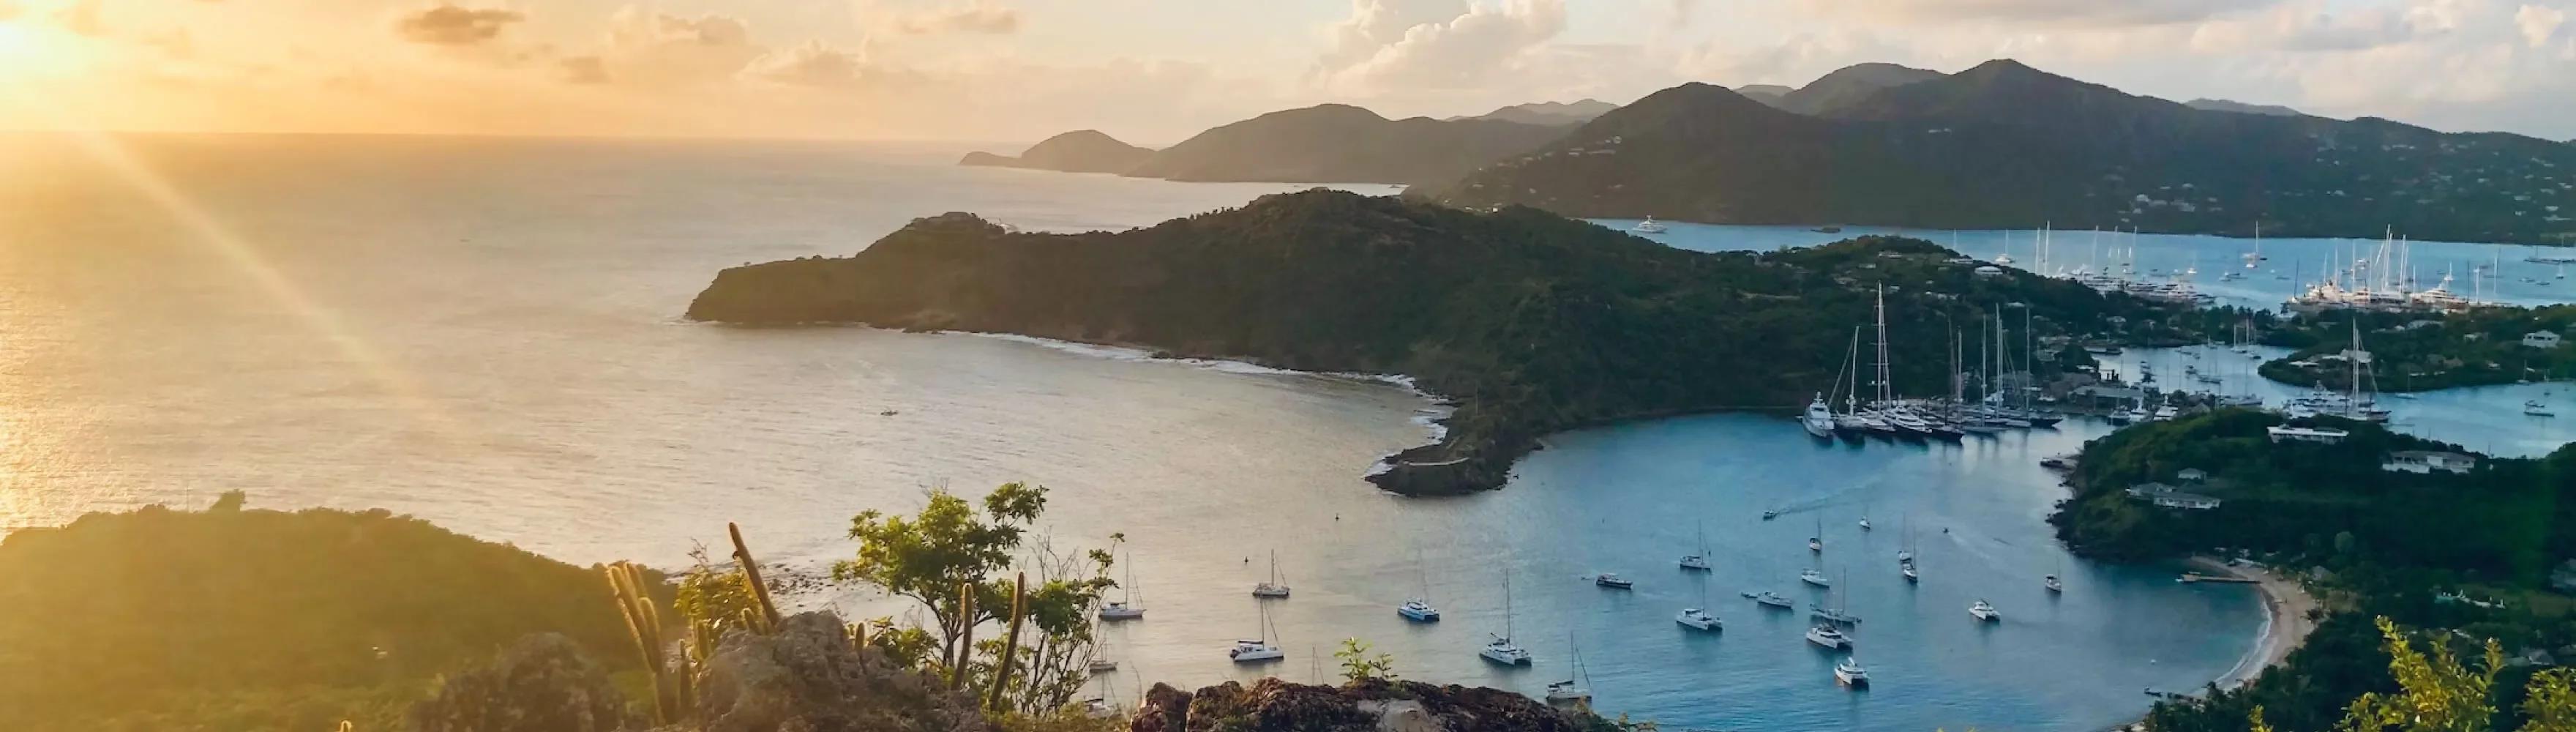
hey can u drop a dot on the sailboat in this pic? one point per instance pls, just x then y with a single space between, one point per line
1836 614
1100 664
1816 543
1698 618
1255 651
1985 611
1864 523
2053 584
1568 691
1698 560
1501 649
1125 608
1272 588
1419 609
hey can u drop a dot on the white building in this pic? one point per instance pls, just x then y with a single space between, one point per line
2424 462
2540 339
2168 497
2324 435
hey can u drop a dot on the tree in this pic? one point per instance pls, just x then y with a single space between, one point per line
2436 693
952 544
1358 665
926 557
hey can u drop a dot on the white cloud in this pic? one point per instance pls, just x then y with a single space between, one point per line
2052 12
2539 23
974 16
1408 44
650 47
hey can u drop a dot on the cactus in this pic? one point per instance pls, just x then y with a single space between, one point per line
751 576
1011 642
635 604
964 653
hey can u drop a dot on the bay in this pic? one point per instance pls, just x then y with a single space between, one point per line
483 333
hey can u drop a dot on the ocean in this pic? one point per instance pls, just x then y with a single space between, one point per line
483 333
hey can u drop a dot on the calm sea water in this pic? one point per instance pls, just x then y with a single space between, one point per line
483 333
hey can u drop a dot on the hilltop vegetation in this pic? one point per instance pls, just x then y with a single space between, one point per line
2506 518
2003 145
1339 143
1534 322
235 619
2415 352
1080 151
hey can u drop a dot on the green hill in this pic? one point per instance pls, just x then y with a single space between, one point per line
1338 143
2004 145
236 619
1535 323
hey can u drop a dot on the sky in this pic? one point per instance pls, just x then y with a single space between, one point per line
1155 71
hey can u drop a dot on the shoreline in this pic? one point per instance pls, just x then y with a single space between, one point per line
2285 625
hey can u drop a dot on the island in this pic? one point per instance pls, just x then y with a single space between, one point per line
2408 352
1080 151
2004 145
1532 323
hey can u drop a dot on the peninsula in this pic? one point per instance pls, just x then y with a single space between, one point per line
1532 322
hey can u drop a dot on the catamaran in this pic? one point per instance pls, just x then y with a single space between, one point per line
1695 617
1419 609
1769 599
1825 634
1255 651
1984 611
1851 673
1648 226
1272 588
1501 649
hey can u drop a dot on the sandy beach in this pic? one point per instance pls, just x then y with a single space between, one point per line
2286 626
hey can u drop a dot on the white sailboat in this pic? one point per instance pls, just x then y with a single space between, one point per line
1698 618
1501 649
1698 560
1577 687
1126 608
1262 649
1816 541
1273 588
1648 226
1815 577
2053 584
1838 614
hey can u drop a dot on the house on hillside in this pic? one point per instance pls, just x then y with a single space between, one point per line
2540 339
2321 435
2193 475
2170 497
2424 462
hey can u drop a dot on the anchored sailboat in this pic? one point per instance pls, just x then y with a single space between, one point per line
1272 588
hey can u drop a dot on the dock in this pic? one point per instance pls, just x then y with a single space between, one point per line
2192 577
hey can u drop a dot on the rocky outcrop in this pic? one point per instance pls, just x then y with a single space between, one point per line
542 683
1271 705
807 678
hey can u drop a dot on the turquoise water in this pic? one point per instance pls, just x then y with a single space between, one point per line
482 333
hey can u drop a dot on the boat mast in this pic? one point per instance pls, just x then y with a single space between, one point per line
1885 389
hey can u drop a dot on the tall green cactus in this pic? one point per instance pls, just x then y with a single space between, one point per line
751 576
644 623
1010 643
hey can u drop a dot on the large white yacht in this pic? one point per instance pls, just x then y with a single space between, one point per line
1698 619
1819 419
1825 634
1418 611
1648 226
1851 673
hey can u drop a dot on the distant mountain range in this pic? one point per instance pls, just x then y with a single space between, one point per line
1549 113
2005 145
1080 151
1325 143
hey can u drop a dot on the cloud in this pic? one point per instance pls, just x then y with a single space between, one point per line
1433 44
2539 23
811 64
583 70
177 44
973 17
653 48
8 10
82 17
2050 12
450 25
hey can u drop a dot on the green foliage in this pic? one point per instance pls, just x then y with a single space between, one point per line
542 683
716 594
953 543
262 620
1358 665
2436 693
2474 347
2311 499
1534 322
